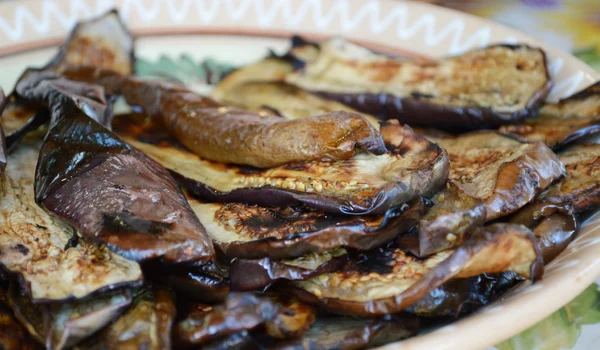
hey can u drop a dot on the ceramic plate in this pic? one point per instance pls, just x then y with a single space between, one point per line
182 38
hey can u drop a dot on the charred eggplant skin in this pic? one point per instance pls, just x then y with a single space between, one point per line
105 188
229 135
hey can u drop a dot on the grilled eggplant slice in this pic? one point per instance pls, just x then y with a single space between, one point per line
229 135
245 311
63 325
246 274
504 171
365 184
344 333
108 190
580 189
559 124
13 336
483 88
389 280
259 87
145 325
453 216
52 262
254 232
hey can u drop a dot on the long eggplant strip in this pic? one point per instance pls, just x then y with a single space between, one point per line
229 135
146 324
482 88
63 325
562 123
389 280
504 171
108 190
50 258
364 184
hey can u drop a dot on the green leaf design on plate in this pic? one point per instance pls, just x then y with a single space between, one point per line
590 56
184 70
561 329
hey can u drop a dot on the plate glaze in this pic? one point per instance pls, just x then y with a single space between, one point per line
241 31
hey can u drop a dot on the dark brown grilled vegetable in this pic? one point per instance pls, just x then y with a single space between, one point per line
52 262
364 184
246 274
13 336
344 333
503 171
447 224
63 325
145 325
559 124
483 88
390 280
229 135
581 187
244 311
254 232
108 190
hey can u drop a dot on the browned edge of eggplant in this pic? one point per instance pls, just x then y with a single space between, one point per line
259 274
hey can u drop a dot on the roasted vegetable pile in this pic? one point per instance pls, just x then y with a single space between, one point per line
293 208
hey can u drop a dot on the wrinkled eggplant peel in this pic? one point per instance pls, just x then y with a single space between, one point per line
244 311
253 232
559 124
344 333
63 325
483 88
53 262
580 189
504 171
453 217
389 280
230 135
108 190
146 324
364 184
259 88
247 274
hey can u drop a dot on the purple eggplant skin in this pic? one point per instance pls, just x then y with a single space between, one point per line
105 188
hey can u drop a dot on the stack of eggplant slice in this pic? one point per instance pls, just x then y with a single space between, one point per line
294 208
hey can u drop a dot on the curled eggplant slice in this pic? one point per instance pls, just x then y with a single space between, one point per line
241 312
389 280
259 87
344 333
230 135
452 218
505 172
146 324
248 274
108 190
51 260
63 325
581 187
559 124
253 232
364 184
483 88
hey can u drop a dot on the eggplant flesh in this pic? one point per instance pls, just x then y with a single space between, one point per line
63 325
562 123
41 249
253 232
389 280
504 171
483 88
364 184
246 274
230 135
145 325
453 217
108 190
